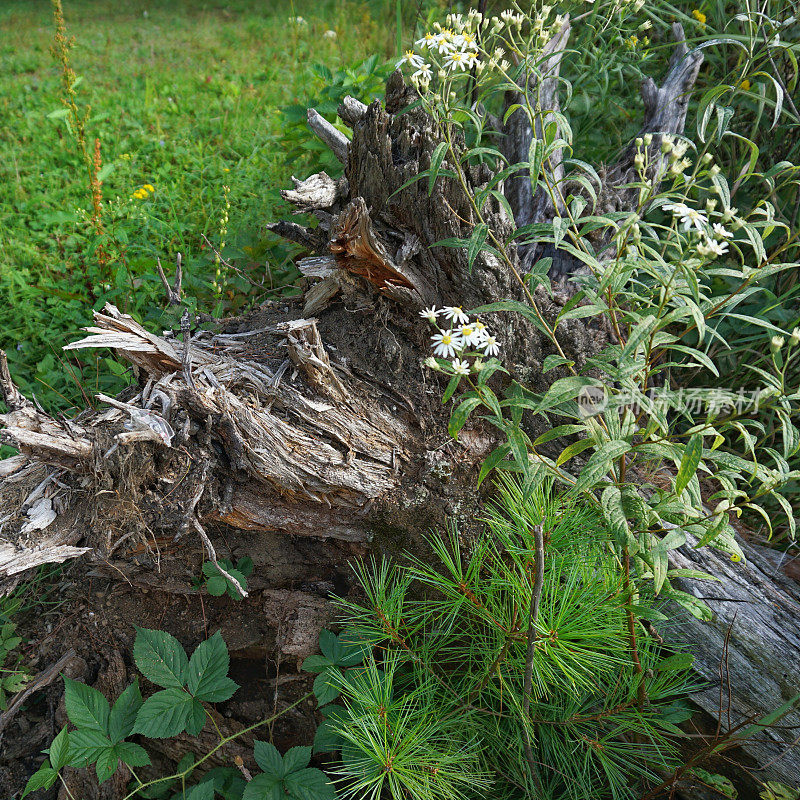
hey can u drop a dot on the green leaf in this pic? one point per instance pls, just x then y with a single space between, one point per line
316 663
195 718
86 707
436 162
216 585
245 565
451 388
134 755
106 765
295 759
207 673
514 305
43 778
203 791
268 758
600 463
87 745
492 460
535 161
123 714
309 784
160 658
264 787
461 414
692 454
164 714
326 685
59 749
476 242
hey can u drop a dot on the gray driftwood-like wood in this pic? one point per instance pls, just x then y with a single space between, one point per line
311 430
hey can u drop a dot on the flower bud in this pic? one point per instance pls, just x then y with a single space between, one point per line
776 343
648 139
794 339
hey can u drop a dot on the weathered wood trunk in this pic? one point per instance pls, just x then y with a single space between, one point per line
309 433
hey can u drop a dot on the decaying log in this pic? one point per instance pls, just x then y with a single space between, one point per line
310 430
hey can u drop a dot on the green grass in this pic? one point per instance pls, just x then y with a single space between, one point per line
185 96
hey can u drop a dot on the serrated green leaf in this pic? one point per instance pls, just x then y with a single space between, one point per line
43 778
86 745
86 707
264 787
106 765
195 718
59 749
164 714
326 686
216 585
268 758
316 663
309 784
134 755
123 714
202 791
676 663
207 672
295 759
160 657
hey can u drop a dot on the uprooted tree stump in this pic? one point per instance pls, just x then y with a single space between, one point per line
307 433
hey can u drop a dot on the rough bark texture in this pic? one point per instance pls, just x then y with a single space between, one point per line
308 433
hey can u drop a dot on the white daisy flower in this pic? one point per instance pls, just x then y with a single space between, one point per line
722 231
329 35
428 42
481 331
429 314
455 313
445 42
457 60
446 343
469 333
716 248
690 217
410 57
490 346
460 367
468 41
423 74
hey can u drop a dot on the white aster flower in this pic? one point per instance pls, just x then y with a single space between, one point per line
457 60
445 42
722 231
460 367
446 343
410 57
429 314
455 313
469 41
689 216
428 42
329 35
469 333
490 346
298 20
716 248
423 75
481 331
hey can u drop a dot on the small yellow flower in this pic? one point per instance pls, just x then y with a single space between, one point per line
149 187
699 16
745 84
225 169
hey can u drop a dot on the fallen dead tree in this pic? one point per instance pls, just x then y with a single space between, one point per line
313 426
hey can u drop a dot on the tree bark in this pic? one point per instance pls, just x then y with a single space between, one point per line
313 425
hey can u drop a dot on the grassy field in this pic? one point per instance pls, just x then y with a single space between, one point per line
185 98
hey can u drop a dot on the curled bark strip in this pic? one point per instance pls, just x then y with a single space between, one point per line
351 111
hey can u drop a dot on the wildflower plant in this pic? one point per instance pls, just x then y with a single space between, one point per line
664 275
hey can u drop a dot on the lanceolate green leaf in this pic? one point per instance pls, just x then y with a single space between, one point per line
689 462
436 162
